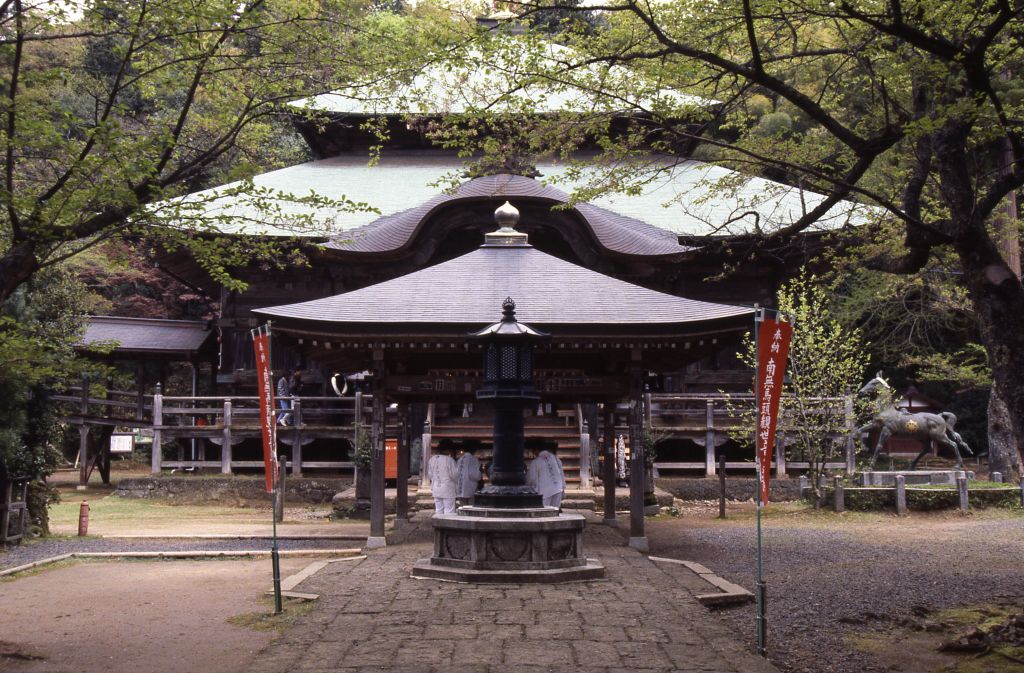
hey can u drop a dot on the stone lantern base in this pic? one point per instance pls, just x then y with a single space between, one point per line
492 545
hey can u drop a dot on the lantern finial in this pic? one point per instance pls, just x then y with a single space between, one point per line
508 310
507 217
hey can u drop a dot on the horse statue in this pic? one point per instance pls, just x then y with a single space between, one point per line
925 427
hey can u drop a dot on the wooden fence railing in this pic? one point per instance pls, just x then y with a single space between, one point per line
222 421
710 420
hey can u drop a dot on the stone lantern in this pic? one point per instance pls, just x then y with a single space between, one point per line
508 385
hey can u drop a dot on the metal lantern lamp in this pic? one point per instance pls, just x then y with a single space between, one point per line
508 384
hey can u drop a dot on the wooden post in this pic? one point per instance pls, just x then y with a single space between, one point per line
297 437
83 435
225 449
6 498
158 424
282 472
357 422
637 467
376 538
83 455
961 488
427 438
709 438
585 479
851 446
721 487
610 472
140 391
402 480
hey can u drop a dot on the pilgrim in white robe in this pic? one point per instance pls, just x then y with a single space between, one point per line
444 477
545 476
469 475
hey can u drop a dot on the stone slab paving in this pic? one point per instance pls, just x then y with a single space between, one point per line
372 616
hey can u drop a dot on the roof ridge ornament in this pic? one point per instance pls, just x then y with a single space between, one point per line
506 217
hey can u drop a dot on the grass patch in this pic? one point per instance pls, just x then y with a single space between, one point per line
984 617
869 643
293 609
995 661
113 509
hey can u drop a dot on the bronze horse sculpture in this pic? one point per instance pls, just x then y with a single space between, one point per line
924 427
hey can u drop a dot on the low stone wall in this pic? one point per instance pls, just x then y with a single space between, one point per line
228 490
736 488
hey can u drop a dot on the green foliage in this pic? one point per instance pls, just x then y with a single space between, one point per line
926 499
362 449
112 115
39 325
826 361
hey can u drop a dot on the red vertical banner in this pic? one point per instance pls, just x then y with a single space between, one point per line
265 388
773 337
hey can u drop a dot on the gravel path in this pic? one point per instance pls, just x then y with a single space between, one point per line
834 577
41 549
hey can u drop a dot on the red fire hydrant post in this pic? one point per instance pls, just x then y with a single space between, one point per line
83 518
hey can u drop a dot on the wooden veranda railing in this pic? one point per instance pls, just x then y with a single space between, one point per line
221 421
203 423
710 420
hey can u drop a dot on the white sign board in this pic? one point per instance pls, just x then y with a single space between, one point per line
122 443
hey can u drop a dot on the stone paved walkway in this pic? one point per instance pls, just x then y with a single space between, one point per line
372 616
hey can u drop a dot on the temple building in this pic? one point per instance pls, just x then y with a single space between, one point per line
389 294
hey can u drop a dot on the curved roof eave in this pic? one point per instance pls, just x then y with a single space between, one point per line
614 232
469 290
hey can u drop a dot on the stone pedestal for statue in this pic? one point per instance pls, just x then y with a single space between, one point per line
911 477
517 545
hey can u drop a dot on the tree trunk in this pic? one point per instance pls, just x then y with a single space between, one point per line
1002 444
17 265
998 300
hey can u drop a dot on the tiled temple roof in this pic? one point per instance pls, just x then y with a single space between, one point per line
468 291
615 232
146 335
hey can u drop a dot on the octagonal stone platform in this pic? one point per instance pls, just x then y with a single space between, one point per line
492 545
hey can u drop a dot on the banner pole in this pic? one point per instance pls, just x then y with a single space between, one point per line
762 587
275 557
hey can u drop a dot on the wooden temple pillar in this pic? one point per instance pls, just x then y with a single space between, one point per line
377 430
402 480
610 473
83 436
637 462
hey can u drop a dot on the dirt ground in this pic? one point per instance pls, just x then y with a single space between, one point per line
135 616
860 592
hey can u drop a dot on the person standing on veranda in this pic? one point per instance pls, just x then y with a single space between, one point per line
546 476
444 481
469 476
283 395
